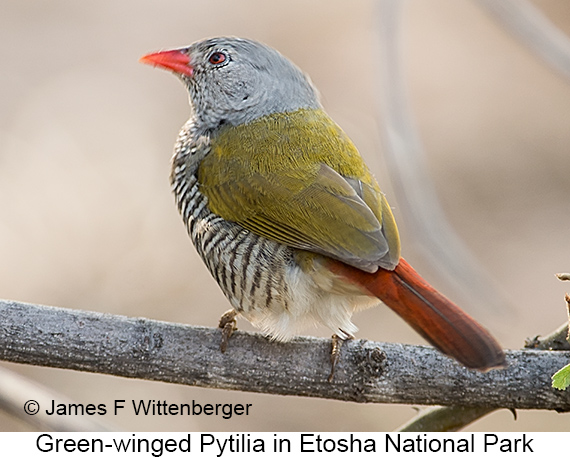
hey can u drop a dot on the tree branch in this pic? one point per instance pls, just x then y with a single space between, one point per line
368 371
453 418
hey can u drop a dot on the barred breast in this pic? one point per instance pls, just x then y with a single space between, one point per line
261 278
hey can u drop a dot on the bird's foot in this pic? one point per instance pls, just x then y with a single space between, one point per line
335 352
228 323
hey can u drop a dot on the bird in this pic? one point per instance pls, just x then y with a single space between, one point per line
284 212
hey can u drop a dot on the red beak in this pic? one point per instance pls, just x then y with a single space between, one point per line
175 60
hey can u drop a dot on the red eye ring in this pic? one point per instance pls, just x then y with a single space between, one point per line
216 58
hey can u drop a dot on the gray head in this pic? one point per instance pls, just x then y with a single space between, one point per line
234 81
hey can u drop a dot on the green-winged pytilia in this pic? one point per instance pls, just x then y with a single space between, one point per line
285 213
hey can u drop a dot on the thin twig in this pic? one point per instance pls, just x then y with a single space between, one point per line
416 196
446 419
534 29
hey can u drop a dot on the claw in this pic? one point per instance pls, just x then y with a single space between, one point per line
337 341
335 354
228 324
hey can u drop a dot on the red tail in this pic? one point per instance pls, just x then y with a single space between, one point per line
432 315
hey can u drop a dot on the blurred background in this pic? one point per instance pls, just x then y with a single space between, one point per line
88 220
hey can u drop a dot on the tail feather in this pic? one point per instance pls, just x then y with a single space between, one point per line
432 315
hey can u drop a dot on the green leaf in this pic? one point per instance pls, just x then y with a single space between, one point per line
561 379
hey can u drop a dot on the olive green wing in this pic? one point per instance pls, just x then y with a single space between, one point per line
309 207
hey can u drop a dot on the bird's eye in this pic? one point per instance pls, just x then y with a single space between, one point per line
217 58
